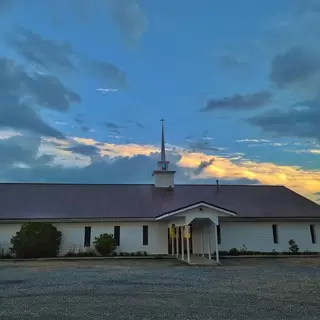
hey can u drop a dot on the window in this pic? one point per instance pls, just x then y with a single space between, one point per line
219 234
313 233
87 236
275 233
164 166
116 234
145 235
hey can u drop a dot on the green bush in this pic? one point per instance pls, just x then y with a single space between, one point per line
5 252
294 248
105 244
36 240
234 252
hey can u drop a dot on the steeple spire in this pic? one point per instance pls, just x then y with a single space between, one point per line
163 146
163 177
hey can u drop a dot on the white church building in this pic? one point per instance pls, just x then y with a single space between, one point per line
205 219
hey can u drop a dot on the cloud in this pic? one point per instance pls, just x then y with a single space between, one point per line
23 117
139 125
253 140
22 94
112 125
106 90
238 101
129 19
49 92
48 54
39 89
295 66
86 150
54 55
106 72
302 123
203 165
133 163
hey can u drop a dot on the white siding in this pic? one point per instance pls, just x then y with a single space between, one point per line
258 236
130 235
164 179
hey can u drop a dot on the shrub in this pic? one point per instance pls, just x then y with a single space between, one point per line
105 244
234 252
294 248
5 252
36 240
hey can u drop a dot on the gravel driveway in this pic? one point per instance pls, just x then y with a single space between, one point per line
240 289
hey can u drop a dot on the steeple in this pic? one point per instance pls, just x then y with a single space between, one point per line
163 177
163 148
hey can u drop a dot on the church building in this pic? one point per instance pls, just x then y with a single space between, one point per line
164 217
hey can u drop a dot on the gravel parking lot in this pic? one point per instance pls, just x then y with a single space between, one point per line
161 289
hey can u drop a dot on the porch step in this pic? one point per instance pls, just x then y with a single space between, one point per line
200 261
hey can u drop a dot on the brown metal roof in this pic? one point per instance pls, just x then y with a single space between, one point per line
76 201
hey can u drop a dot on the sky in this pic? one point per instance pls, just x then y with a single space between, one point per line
84 84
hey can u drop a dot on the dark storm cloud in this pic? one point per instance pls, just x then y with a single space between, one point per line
302 123
129 19
239 101
139 125
107 72
54 55
201 146
84 150
294 66
48 54
203 165
22 150
49 92
40 89
19 116
22 94
114 126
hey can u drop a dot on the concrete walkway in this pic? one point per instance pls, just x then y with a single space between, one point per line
199 261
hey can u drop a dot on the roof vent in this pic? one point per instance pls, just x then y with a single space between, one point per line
217 185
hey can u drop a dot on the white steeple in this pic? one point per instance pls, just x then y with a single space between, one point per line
163 177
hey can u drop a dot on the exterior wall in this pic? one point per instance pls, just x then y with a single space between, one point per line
258 236
164 179
130 235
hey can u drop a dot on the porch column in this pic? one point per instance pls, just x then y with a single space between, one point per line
217 247
209 242
188 243
202 242
177 241
182 242
172 244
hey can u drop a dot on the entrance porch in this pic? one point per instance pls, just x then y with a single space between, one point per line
195 233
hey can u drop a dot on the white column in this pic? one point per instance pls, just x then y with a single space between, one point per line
217 247
188 244
172 246
177 241
209 241
182 243
202 242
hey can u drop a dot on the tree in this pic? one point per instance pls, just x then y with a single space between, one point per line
105 244
36 240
